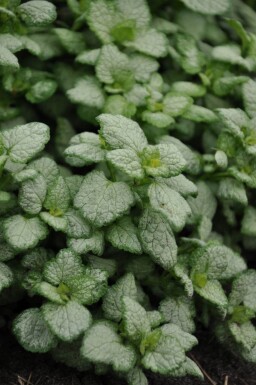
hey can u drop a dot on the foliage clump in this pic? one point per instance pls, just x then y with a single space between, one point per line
128 171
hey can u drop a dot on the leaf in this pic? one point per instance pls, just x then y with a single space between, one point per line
207 7
181 184
67 321
244 335
47 168
124 235
200 114
186 340
25 141
113 300
112 352
135 320
150 42
87 92
11 42
95 244
41 91
137 10
77 227
142 67
170 204
84 149
188 88
106 265
102 201
157 119
73 42
190 59
57 198
121 133
232 54
48 291
167 356
180 311
249 97
89 57
37 13
86 289
66 265
6 276
213 293
8 59
204 204
36 259
234 120
136 377
232 190
101 18
158 239
249 222
175 105
162 160
32 332
57 223
113 67
32 194
244 290
24 233
127 161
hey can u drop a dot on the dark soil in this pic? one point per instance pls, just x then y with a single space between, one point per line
18 367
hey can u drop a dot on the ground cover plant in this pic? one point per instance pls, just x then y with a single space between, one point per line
128 176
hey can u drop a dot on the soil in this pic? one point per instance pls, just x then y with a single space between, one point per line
18 367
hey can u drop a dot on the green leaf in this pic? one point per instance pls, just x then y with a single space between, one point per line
244 335
95 244
232 54
244 290
104 264
84 149
188 88
123 235
8 59
213 293
32 194
232 190
200 114
249 97
11 42
180 311
67 321
6 276
41 91
77 227
204 204
137 10
186 340
113 300
157 119
87 289
121 133
175 105
47 168
102 201
37 13
249 222
112 352
57 198
113 67
57 223
150 42
48 291
135 321
234 120
136 377
170 204
142 67
36 259
127 161
158 239
191 59
32 332
162 160
141 266
87 92
101 18
167 356
180 184
73 42
89 57
207 7
66 265
24 142
24 233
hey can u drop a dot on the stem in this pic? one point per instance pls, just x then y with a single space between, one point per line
111 171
